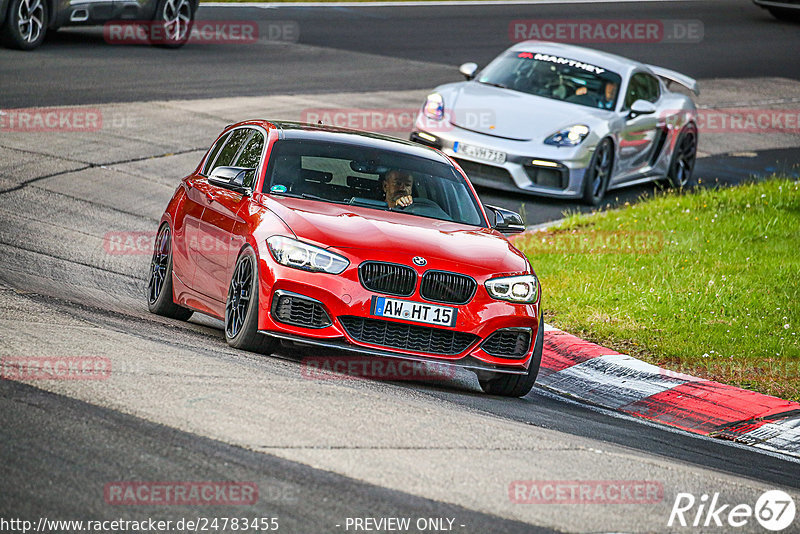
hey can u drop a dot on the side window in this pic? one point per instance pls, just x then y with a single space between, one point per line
231 148
213 154
653 91
642 87
251 156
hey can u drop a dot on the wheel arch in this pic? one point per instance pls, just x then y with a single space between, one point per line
3 11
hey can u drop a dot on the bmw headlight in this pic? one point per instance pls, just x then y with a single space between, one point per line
523 289
294 253
571 136
434 107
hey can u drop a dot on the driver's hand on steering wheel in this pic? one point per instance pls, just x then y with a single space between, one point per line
404 201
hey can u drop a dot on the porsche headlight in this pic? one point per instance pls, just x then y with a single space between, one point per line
434 107
522 289
293 253
571 136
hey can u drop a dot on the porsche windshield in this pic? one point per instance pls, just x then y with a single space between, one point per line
378 179
554 77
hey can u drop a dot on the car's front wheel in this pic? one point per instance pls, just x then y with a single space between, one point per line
173 21
598 174
506 385
25 24
159 286
681 167
241 308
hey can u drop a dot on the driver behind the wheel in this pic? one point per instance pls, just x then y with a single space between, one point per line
397 187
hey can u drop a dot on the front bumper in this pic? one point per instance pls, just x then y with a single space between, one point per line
530 167
343 296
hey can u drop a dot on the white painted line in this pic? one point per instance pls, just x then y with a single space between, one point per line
781 435
420 3
546 391
612 381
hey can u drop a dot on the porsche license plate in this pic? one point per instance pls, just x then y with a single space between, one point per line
420 312
479 152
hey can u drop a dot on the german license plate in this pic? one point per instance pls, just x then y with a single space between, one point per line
420 312
479 152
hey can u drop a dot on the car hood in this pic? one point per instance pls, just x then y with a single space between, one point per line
513 115
378 235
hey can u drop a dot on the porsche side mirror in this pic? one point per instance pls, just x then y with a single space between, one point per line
506 221
468 70
641 107
230 178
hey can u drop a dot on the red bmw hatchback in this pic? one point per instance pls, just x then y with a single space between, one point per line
350 240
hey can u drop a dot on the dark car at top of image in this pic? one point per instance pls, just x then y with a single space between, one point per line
335 238
788 10
564 121
24 23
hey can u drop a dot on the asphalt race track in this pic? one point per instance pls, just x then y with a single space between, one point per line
180 405
369 49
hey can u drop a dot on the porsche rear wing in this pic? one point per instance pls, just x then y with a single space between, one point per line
677 77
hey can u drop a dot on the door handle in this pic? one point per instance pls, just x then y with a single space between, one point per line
209 196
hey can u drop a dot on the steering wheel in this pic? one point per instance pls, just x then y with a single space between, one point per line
425 207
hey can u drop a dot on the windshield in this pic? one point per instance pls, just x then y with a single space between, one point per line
554 77
372 178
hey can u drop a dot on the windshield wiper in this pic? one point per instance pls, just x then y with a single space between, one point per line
493 84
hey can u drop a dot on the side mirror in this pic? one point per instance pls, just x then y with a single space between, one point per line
641 107
230 178
506 221
468 70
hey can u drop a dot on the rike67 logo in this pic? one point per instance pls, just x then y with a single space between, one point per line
774 510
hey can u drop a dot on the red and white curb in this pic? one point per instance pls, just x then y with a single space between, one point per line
582 370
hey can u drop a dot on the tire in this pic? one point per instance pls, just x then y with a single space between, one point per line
159 285
598 173
681 166
505 385
172 24
789 15
241 308
25 25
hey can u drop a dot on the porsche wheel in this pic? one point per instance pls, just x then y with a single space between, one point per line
506 385
173 23
25 24
159 286
682 165
598 174
241 308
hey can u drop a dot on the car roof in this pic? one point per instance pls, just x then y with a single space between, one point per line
612 62
333 134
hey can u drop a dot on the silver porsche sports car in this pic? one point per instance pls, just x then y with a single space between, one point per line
564 121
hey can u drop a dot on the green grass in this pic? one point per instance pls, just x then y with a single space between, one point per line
706 283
